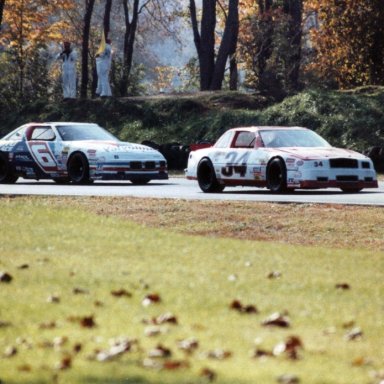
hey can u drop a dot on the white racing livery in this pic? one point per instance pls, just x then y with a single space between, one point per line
281 159
76 152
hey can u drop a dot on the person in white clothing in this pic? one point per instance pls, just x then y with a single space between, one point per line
103 66
68 57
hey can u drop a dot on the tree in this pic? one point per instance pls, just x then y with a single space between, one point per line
211 70
28 30
2 2
349 43
89 4
107 17
270 44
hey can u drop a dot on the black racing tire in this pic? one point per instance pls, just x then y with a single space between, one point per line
61 180
6 174
140 181
351 190
78 169
277 176
206 177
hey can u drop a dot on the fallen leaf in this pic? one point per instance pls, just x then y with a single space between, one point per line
121 293
23 266
10 351
289 347
354 334
219 354
47 325
4 324
80 291
153 330
260 353
277 320
348 324
77 347
167 317
238 306
343 286
208 374
274 275
151 299
5 277
85 321
24 368
171 365
59 341
53 299
232 277
361 361
288 379
64 363
159 352
188 345
119 348
98 303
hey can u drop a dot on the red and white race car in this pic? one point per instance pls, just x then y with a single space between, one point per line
281 159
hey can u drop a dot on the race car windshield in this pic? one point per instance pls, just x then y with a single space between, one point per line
292 138
81 132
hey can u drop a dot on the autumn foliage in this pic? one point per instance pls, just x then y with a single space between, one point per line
349 42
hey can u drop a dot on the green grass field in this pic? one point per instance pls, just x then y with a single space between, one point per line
67 263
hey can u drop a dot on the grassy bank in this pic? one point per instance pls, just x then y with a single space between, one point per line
352 119
79 280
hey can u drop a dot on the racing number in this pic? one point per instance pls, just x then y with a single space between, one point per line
234 165
43 156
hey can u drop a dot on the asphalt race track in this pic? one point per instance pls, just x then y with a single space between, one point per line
180 188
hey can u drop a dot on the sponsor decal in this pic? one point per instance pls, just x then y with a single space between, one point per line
299 163
22 158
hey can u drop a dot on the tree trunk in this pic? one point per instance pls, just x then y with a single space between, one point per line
107 17
2 2
228 44
294 8
205 40
129 40
377 49
85 47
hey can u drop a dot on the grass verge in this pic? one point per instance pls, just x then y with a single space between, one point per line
79 280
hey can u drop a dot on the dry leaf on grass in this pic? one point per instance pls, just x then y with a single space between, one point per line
277 320
151 298
121 293
5 277
238 306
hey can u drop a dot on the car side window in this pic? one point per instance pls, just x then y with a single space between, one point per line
224 141
43 133
244 139
16 136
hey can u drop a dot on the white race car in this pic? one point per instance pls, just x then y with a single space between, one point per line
281 159
76 152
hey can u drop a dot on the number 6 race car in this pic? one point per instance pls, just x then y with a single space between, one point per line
76 152
281 159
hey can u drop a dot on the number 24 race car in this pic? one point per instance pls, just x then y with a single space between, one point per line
281 159
76 152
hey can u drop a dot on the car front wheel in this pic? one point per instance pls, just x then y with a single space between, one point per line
78 169
206 177
6 174
277 176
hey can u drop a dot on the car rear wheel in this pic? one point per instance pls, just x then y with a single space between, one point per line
78 169
277 176
140 181
206 177
6 174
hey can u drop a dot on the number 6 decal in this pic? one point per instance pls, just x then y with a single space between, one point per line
43 156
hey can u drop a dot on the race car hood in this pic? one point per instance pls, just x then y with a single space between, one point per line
116 150
319 153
